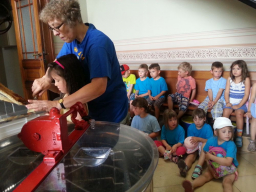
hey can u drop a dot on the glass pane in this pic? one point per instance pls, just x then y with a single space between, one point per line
21 31
30 56
23 2
27 29
34 27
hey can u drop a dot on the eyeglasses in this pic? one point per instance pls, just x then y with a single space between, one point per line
57 29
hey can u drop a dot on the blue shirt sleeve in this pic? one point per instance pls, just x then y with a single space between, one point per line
164 85
231 150
163 133
223 83
209 143
66 49
155 125
208 85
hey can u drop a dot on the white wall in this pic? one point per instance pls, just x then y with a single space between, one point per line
129 19
171 31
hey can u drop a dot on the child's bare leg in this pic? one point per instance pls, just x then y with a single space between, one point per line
190 159
227 112
157 111
253 128
202 179
131 109
161 150
239 121
180 114
227 183
170 102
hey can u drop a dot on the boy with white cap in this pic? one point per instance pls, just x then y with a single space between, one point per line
223 130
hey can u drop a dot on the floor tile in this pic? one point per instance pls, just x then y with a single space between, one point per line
246 183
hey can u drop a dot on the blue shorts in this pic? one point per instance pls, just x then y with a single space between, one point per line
244 108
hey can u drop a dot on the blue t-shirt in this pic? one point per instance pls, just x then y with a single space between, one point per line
98 56
228 146
173 137
205 132
215 86
157 86
148 124
142 86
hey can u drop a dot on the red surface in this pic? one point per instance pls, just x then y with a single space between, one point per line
49 135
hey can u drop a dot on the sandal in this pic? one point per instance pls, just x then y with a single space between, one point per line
251 147
183 168
197 172
239 141
187 185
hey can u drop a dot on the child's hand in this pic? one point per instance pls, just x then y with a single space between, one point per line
155 98
136 96
210 104
174 148
168 148
228 105
128 95
151 98
194 140
208 156
248 114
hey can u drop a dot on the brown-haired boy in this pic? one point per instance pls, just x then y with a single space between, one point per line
157 88
186 89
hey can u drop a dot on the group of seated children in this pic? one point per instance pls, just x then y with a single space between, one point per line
224 97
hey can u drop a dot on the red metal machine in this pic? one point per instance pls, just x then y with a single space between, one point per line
49 135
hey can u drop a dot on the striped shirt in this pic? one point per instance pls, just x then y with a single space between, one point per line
236 92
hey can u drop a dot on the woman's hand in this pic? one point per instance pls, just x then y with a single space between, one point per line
42 105
41 85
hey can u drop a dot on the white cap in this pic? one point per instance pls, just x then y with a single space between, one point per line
221 122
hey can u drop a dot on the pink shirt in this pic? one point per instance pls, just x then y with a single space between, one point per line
185 85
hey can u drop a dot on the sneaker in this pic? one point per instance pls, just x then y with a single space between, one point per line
239 141
183 168
251 147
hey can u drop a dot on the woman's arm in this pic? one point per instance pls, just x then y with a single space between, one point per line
87 93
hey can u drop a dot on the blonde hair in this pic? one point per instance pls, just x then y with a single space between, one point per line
67 11
186 67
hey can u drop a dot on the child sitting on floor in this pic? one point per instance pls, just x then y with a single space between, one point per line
142 120
223 130
198 133
172 137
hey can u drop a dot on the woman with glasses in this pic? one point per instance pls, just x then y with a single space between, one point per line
104 90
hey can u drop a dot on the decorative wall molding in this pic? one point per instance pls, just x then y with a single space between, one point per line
188 54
